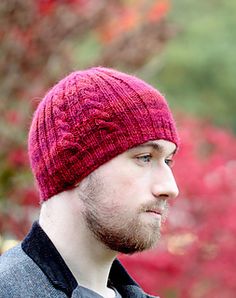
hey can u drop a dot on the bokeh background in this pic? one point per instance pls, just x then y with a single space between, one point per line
186 49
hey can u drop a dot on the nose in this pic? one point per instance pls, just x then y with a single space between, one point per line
164 184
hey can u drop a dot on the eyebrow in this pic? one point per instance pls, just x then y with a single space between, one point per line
157 147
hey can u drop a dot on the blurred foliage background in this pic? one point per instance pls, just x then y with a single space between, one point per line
187 50
199 63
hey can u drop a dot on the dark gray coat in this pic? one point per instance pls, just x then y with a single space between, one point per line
21 277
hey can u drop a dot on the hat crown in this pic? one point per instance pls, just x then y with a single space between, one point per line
88 118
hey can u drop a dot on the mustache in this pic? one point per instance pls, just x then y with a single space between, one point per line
162 206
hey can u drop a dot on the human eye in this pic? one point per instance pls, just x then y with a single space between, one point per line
144 158
169 162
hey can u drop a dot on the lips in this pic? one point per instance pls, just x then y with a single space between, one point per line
156 211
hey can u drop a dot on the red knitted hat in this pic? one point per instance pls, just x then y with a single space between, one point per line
88 118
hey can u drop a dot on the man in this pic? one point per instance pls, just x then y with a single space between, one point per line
101 146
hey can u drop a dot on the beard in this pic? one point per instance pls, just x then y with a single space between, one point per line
117 227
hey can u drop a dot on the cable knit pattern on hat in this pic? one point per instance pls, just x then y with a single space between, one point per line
88 118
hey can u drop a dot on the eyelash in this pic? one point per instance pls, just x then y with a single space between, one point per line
141 158
169 162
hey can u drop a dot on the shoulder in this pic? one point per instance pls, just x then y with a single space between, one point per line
145 295
12 260
12 264
15 266
21 277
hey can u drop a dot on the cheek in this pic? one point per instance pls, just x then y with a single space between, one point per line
124 182
116 189
129 188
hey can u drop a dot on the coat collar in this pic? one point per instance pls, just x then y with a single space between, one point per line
42 251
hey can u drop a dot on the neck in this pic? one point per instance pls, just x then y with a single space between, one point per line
88 259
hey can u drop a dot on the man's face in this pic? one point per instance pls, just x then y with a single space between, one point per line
126 199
